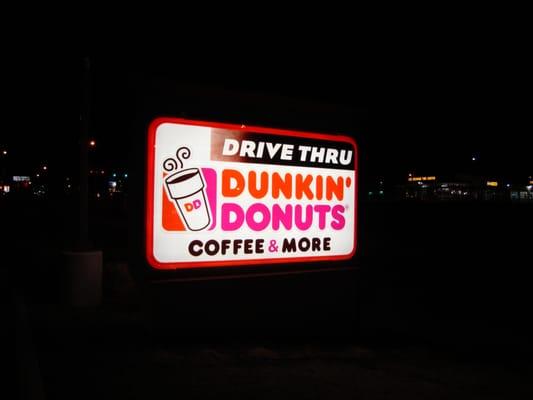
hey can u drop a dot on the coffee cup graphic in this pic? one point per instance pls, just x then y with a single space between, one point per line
186 187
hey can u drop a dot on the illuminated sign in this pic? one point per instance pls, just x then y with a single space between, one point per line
224 195
492 183
421 178
17 178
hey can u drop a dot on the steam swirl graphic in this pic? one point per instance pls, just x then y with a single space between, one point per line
183 152
170 164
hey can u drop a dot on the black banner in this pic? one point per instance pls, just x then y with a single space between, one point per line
252 147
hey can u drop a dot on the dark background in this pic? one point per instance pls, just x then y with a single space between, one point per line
426 111
452 276
426 115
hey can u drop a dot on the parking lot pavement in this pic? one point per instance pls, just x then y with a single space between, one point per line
114 351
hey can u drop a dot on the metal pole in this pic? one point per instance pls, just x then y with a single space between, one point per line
83 243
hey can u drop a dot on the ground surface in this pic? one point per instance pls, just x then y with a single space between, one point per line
437 307
111 354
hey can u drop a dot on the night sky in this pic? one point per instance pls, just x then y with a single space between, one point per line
428 115
448 276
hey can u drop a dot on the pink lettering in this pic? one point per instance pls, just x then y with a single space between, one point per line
322 210
280 216
298 220
339 220
260 209
227 223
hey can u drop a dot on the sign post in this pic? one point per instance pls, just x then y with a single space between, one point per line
84 265
222 195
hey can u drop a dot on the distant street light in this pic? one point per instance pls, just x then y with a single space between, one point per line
473 158
92 143
45 167
4 152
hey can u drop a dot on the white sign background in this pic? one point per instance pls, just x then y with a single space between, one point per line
171 248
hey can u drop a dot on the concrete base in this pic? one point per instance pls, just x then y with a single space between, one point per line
84 277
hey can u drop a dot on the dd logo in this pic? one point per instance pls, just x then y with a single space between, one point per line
193 206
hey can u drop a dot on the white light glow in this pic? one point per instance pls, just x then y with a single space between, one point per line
248 209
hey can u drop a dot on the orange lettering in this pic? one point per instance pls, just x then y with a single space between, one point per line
229 175
333 187
252 185
285 186
303 186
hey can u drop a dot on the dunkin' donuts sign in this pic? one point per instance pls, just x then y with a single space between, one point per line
223 195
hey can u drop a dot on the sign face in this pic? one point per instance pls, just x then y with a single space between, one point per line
224 195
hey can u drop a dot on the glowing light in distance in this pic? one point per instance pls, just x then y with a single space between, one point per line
422 178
